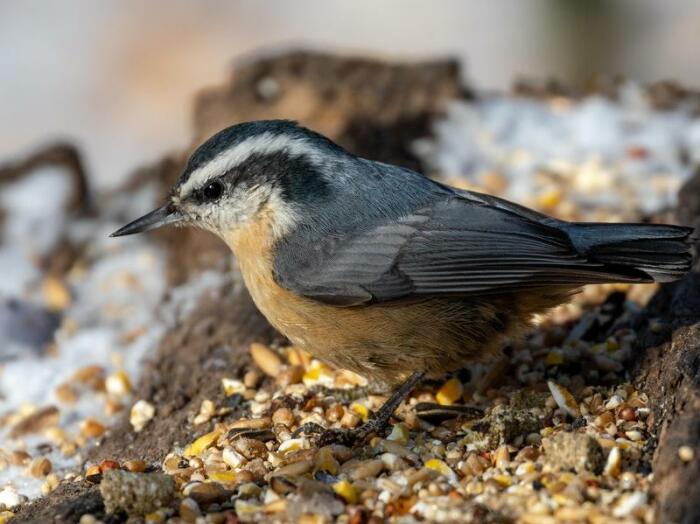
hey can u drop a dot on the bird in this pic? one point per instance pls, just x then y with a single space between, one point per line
386 272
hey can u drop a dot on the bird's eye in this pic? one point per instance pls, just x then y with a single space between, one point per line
213 190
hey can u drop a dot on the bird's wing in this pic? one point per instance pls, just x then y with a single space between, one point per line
456 246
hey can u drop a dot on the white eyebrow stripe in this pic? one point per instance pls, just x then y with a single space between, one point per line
262 144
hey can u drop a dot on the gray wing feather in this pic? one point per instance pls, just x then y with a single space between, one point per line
453 247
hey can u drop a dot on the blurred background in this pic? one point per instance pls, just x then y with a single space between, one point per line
117 76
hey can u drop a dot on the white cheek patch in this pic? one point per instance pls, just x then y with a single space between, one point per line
242 206
262 144
285 216
246 203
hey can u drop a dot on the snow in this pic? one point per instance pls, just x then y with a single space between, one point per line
606 153
118 291
32 225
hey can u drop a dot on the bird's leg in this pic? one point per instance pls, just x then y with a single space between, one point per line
381 418
378 421
344 394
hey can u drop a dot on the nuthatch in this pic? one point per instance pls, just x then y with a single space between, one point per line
383 271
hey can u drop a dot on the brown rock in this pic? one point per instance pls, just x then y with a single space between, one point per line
667 371
505 423
136 493
574 451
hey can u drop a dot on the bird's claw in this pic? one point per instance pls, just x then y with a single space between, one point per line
310 428
345 437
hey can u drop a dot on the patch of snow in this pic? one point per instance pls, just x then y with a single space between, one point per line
33 221
31 227
120 308
606 153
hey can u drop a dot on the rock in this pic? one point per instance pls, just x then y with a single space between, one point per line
136 493
574 451
667 369
506 423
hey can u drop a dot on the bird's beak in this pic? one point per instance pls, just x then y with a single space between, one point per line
160 217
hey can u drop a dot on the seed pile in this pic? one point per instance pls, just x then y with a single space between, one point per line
551 432
609 156
558 436
31 424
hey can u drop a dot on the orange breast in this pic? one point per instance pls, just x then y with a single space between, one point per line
296 317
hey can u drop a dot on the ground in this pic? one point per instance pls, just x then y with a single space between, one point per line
169 368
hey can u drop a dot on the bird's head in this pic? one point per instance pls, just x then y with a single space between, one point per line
272 165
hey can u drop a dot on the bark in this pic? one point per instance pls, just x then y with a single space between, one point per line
668 369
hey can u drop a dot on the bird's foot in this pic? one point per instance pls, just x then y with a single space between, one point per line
376 424
345 395
343 436
346 437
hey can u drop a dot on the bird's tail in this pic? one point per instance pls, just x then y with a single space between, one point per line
659 252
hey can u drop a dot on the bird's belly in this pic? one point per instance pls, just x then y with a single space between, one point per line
381 342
